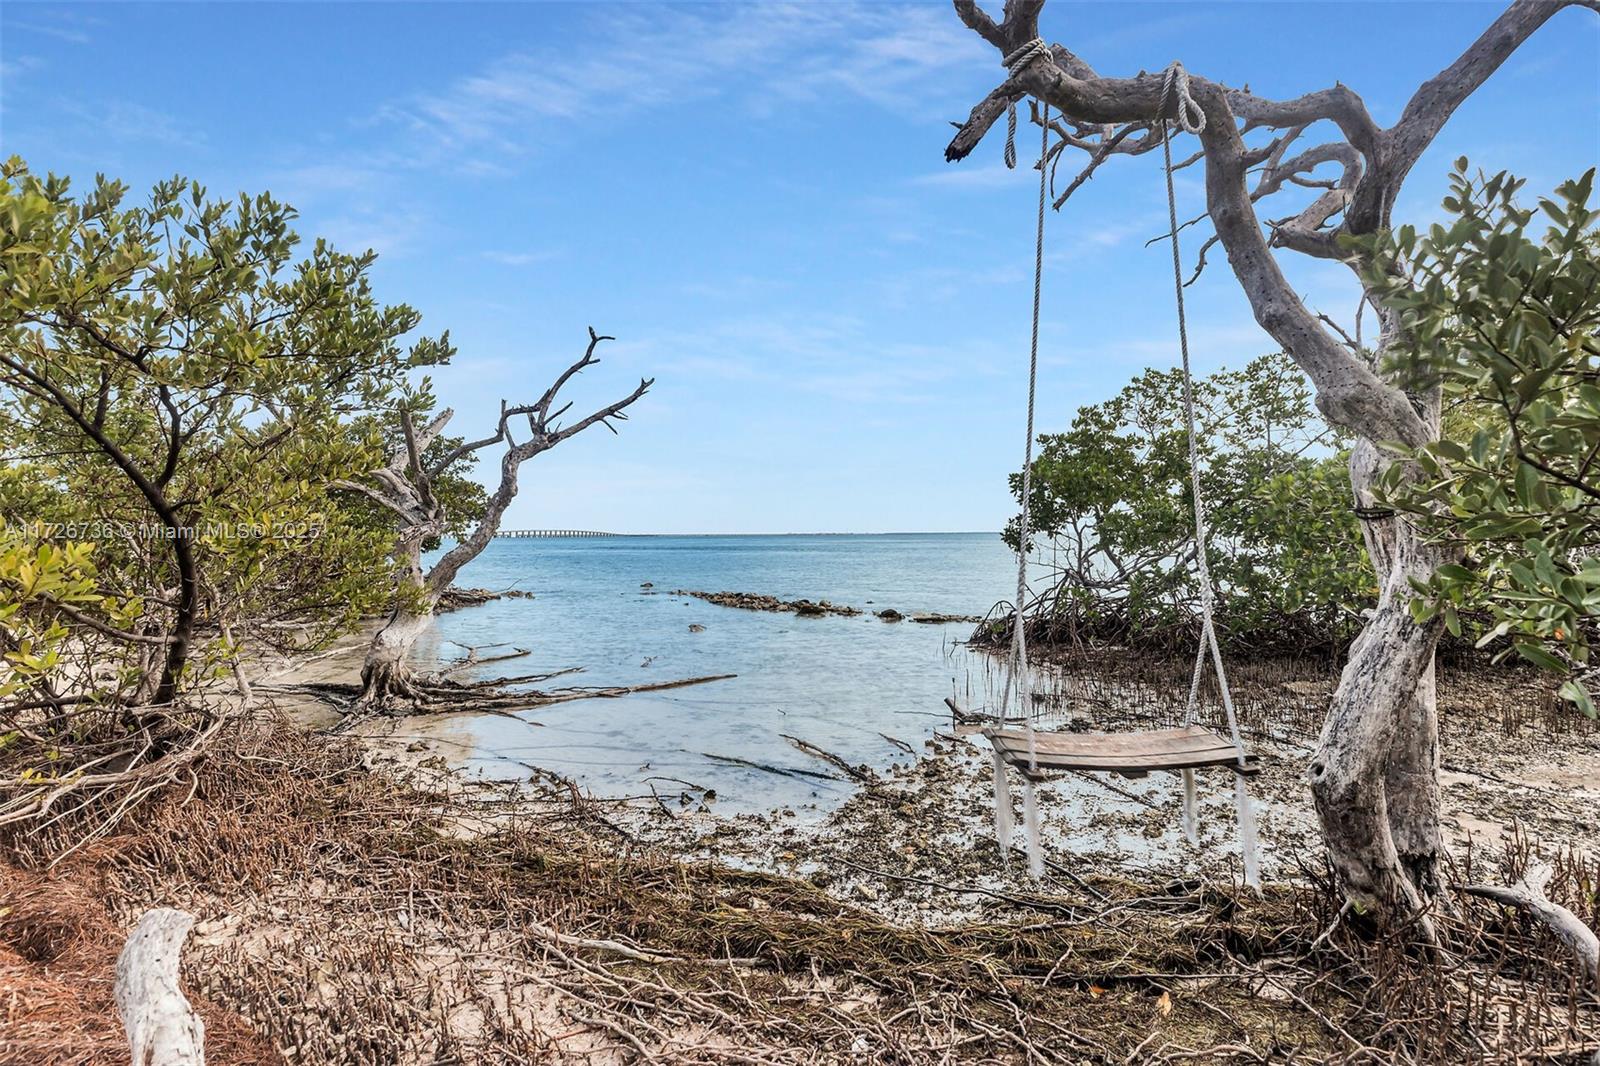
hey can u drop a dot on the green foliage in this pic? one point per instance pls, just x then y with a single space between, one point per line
177 391
1501 311
1112 494
35 578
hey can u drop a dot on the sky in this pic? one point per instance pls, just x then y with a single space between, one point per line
753 199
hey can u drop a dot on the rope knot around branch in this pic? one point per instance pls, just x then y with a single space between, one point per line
1177 102
1015 63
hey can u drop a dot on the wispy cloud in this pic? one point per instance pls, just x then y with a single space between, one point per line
391 232
14 67
835 356
756 56
65 26
128 122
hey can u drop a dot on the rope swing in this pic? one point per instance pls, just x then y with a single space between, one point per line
1184 749
1175 99
1015 63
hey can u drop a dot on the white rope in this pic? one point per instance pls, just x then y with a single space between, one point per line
1176 99
1190 117
1030 821
1019 639
1015 63
1191 813
1002 809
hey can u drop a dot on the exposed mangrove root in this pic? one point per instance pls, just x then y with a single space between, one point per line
435 694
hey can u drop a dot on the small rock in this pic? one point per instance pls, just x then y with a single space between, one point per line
867 892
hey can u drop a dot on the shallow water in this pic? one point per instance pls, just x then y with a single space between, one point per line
836 682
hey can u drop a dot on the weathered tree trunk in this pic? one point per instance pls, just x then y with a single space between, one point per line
1374 774
386 675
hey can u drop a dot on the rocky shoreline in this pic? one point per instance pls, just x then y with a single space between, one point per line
757 601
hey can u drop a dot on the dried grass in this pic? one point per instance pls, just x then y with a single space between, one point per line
354 918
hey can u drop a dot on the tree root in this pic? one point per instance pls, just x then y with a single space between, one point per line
435 694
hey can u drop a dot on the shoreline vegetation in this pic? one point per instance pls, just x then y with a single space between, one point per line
359 900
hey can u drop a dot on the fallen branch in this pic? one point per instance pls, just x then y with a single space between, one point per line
897 742
471 659
449 697
613 947
786 771
860 773
1528 894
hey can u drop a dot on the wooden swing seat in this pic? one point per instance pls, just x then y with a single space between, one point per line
1132 754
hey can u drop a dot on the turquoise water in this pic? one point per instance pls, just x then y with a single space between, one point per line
836 682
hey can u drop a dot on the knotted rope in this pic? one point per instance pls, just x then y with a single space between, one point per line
1015 63
1186 112
1176 101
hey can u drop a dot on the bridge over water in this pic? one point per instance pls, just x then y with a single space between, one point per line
521 533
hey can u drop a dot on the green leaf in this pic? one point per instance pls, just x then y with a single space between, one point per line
1540 657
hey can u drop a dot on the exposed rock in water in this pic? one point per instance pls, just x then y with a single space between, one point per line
755 601
455 597
934 618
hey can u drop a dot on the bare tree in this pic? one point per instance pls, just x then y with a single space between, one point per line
404 486
1374 777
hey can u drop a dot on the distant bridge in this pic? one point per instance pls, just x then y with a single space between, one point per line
520 533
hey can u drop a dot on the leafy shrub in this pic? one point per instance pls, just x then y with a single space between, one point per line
1111 509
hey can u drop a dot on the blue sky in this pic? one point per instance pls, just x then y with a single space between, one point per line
753 199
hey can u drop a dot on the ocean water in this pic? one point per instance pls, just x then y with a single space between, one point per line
837 682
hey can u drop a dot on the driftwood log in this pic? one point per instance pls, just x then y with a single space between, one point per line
1528 895
163 1029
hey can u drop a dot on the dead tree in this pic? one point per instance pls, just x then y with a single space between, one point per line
1375 774
404 486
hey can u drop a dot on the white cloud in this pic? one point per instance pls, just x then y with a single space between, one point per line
642 56
66 27
835 356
